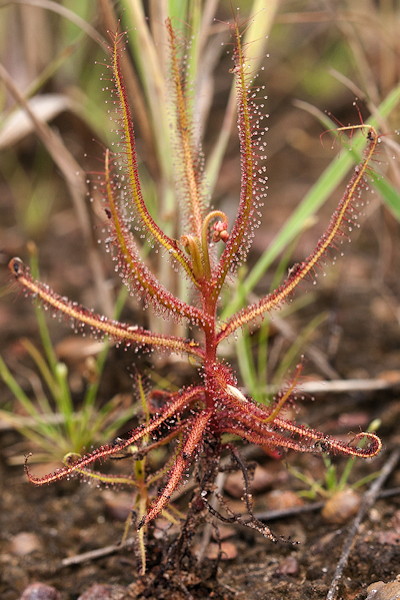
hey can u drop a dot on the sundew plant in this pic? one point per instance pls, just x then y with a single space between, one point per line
203 420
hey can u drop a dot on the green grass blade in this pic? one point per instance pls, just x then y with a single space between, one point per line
17 390
390 196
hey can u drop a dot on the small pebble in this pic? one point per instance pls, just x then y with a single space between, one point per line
288 566
341 506
24 543
375 516
391 538
384 591
100 591
40 591
281 499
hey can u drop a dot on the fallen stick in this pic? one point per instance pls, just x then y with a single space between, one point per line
270 515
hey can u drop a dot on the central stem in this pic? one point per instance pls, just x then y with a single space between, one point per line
198 250
210 341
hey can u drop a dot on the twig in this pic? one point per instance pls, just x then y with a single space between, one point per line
273 515
347 385
97 553
342 385
368 500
